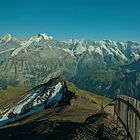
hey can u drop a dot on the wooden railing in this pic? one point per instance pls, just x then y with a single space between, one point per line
127 110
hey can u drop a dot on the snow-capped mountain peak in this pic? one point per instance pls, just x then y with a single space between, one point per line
39 37
72 41
46 37
7 37
34 39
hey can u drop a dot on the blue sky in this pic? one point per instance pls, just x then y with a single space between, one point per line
64 19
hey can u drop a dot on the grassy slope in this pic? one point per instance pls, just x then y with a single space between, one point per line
89 95
89 100
11 95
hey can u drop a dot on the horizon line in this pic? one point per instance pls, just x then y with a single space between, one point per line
79 39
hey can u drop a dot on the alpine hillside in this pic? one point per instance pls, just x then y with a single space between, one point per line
58 110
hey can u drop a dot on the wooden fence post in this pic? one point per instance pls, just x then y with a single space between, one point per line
127 126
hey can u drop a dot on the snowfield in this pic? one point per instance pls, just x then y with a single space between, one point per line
35 101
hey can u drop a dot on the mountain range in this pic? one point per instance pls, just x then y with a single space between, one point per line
104 67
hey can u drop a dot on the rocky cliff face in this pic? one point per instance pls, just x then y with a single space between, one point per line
110 82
